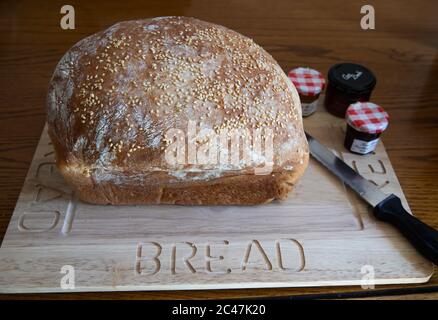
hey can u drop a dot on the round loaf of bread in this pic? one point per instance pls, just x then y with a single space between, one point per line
174 110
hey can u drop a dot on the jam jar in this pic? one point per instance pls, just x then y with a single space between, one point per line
309 84
347 83
365 123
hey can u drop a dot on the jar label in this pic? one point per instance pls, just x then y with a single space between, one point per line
364 147
309 108
354 76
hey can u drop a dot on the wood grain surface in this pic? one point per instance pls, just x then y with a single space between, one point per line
402 51
321 235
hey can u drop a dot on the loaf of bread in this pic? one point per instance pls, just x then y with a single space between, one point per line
174 110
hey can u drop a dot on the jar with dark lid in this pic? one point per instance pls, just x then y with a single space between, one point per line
347 84
365 123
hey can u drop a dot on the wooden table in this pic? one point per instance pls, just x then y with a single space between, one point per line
402 51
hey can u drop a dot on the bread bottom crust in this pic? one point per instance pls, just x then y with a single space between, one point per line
231 190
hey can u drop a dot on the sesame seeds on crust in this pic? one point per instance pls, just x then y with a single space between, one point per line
144 77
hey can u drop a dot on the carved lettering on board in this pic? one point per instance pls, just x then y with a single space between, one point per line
375 172
148 253
38 218
219 257
39 221
50 166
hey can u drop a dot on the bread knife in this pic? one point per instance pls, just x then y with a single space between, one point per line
386 207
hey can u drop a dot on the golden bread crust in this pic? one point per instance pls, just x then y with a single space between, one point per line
116 94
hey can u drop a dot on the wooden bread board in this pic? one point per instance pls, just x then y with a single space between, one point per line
322 235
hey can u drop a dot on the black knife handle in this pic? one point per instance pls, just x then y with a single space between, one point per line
423 237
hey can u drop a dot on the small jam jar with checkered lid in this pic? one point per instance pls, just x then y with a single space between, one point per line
309 84
365 122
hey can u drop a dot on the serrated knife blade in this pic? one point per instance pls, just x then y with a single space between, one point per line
386 207
364 188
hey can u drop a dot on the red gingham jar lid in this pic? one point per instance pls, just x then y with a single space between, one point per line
367 117
308 82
